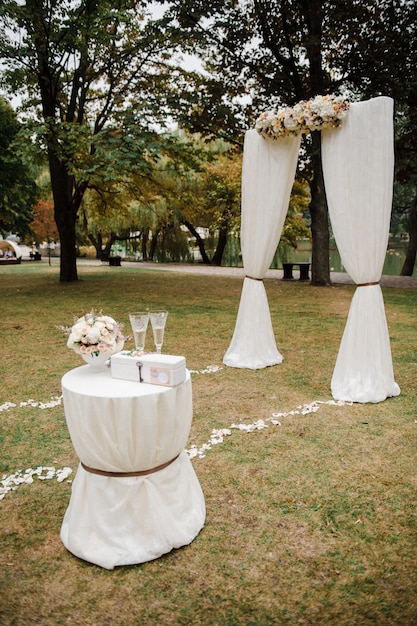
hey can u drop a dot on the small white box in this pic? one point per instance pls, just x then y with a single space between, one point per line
156 369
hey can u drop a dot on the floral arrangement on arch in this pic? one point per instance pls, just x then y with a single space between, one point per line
316 114
95 334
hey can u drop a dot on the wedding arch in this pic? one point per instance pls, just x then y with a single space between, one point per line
358 165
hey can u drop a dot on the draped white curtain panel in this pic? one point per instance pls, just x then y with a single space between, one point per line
267 177
358 167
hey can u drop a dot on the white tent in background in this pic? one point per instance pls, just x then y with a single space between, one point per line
10 252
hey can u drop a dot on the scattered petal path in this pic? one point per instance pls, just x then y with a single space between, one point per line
217 435
14 481
55 401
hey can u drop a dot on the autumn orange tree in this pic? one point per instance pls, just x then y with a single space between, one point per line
43 225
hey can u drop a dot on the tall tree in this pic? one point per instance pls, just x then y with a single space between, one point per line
18 190
393 72
405 196
278 52
98 76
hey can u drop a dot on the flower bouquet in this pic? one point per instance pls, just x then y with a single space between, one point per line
94 335
305 117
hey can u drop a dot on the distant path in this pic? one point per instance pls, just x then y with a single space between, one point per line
341 278
338 278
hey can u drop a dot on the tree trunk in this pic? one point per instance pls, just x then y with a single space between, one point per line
66 203
320 263
221 245
199 240
65 217
144 240
68 260
410 258
110 241
154 243
97 243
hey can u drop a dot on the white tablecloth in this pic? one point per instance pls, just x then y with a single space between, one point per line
123 426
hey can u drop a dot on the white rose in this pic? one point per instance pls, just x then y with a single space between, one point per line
93 335
327 110
290 123
76 333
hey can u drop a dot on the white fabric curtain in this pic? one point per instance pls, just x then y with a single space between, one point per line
267 177
358 167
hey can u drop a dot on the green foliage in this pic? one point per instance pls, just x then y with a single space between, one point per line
295 226
269 53
172 246
18 190
283 51
98 83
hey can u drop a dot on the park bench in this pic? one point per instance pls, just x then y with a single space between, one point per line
304 271
114 261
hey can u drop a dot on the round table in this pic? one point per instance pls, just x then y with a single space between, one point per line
135 495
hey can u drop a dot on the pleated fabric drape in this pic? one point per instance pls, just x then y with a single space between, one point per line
358 168
267 177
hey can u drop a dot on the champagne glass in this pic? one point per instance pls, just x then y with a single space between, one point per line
158 321
139 323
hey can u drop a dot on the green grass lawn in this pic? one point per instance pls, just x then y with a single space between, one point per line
310 521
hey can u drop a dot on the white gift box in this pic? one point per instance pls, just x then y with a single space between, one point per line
156 369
